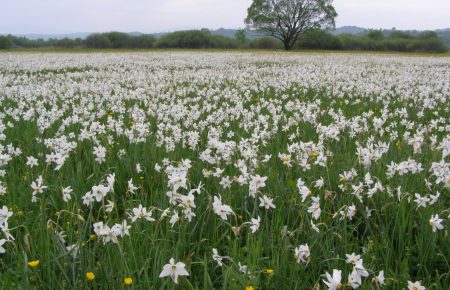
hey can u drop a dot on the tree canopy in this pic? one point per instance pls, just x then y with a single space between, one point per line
286 20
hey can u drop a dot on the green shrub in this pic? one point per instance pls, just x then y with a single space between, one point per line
5 42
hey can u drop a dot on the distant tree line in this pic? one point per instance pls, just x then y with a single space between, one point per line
373 41
313 39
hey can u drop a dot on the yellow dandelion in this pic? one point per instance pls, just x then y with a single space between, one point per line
269 271
90 276
249 288
33 264
128 281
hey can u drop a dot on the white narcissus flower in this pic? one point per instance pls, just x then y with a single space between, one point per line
333 282
99 192
100 154
217 257
243 269
302 253
220 209
5 214
314 227
355 278
138 168
255 224
314 209
141 212
436 223
66 193
415 286
174 218
352 258
109 206
266 202
111 179
380 278
302 189
2 242
37 187
319 183
174 270
31 161
131 187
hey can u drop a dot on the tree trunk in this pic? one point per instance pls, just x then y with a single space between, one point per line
287 45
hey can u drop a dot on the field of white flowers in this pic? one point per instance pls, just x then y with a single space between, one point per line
224 171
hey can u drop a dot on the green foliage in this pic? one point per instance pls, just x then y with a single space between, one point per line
265 43
314 39
396 41
68 43
240 36
98 41
194 39
5 42
376 35
117 39
141 41
318 39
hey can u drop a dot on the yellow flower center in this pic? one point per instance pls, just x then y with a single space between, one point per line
314 154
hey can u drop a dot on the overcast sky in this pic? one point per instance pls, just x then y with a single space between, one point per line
68 16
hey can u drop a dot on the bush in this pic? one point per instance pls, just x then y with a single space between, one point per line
141 41
318 39
429 45
5 42
98 41
185 39
117 39
265 43
68 43
376 35
352 42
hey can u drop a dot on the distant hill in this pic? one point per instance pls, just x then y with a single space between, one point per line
34 36
442 33
348 30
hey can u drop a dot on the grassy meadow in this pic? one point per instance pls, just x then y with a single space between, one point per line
250 170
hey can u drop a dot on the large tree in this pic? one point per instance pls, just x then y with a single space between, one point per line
286 20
